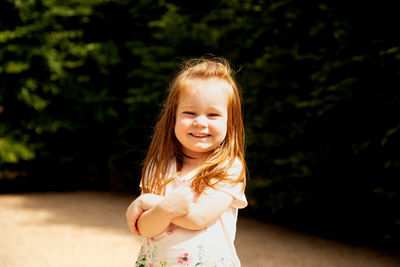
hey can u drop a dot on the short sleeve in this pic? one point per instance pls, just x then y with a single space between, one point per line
234 189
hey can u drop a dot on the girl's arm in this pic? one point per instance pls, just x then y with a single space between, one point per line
205 210
200 214
212 203
137 207
155 220
150 200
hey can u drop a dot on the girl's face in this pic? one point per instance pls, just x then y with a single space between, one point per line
201 116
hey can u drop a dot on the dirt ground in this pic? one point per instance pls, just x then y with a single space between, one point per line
89 229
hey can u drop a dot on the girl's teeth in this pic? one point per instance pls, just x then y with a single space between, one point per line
200 135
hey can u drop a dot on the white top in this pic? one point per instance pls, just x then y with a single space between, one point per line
212 246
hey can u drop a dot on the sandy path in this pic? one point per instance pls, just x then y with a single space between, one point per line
89 229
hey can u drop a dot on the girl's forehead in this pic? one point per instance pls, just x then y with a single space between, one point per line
198 86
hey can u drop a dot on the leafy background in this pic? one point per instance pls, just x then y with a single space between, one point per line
81 84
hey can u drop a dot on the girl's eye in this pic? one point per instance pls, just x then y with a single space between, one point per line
213 115
189 113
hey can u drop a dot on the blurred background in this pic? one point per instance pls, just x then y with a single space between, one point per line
82 82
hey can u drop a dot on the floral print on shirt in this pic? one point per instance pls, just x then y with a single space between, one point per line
150 259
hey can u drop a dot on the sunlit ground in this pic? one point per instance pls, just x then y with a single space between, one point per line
89 229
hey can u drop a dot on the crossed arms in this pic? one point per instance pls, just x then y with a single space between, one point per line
149 215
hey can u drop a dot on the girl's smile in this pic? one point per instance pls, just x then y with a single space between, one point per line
201 117
200 136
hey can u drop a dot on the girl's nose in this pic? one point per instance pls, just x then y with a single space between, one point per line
200 121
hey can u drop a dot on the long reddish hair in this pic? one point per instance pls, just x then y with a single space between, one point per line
166 149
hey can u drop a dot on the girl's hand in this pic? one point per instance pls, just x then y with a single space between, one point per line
178 202
138 206
132 214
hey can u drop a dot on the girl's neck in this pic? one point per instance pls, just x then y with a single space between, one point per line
189 165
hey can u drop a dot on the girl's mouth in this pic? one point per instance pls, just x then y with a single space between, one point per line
200 135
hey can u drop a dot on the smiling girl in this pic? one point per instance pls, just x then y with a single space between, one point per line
194 174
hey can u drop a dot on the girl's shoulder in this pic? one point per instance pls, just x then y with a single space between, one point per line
232 173
235 168
170 172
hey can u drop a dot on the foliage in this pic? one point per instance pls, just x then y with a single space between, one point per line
82 83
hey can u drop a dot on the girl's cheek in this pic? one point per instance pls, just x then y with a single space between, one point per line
186 121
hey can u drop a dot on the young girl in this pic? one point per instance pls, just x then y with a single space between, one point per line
194 174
